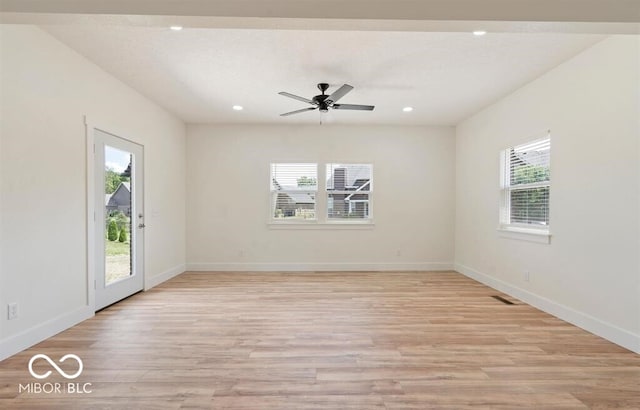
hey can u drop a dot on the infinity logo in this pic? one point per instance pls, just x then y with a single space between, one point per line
55 366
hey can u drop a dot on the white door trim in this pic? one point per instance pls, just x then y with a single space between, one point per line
90 127
91 212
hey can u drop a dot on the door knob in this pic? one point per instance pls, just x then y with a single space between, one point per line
141 226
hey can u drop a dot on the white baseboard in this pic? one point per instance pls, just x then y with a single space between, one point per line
27 338
154 281
619 336
328 267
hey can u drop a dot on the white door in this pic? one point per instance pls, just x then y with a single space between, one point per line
119 226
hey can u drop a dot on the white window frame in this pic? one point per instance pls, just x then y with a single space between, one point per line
508 229
322 220
272 192
369 219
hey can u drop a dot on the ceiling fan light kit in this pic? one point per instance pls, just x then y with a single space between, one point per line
324 102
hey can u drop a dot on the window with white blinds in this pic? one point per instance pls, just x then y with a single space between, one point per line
293 191
349 188
526 183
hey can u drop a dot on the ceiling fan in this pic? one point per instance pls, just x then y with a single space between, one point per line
323 102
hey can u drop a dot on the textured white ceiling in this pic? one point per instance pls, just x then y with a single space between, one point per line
199 74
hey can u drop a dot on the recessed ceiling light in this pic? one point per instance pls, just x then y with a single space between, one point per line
176 28
407 109
479 33
238 107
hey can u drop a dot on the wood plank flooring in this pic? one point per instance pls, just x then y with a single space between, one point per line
413 340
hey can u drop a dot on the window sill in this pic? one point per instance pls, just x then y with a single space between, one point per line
315 225
524 234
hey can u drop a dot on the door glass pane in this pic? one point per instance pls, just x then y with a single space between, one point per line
117 190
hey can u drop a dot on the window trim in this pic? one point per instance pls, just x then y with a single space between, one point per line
520 231
523 234
322 220
320 225
347 221
315 192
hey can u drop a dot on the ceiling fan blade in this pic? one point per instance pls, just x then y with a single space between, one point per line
298 111
353 107
296 97
339 93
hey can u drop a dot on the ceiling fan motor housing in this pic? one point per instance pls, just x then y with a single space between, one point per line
320 101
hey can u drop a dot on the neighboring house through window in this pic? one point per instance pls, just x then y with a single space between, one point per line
349 190
526 182
293 191
120 199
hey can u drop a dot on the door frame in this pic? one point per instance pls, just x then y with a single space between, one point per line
90 127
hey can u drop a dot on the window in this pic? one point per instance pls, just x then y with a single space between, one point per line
526 180
345 204
349 190
293 191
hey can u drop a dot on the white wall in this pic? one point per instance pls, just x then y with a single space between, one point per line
590 273
46 90
228 198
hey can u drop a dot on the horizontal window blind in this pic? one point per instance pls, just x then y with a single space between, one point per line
293 191
349 191
529 163
530 206
292 177
528 181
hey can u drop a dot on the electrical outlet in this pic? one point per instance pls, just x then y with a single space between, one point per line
12 311
398 252
526 276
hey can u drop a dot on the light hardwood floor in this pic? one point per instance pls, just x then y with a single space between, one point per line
416 340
